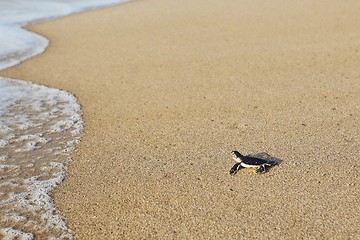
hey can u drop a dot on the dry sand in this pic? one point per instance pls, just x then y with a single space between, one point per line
169 88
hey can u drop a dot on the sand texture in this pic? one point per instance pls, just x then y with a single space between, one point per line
169 88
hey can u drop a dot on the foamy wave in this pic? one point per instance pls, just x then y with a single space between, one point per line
39 129
12 234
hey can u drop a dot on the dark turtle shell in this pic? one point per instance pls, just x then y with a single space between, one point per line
250 160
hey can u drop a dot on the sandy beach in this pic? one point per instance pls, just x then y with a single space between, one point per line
169 88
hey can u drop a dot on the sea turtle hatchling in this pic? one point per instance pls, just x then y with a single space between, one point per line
242 161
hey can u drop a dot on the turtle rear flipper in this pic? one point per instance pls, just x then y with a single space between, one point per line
265 167
261 169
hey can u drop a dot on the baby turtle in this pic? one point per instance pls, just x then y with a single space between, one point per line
242 161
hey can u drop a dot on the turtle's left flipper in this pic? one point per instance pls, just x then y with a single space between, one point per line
235 168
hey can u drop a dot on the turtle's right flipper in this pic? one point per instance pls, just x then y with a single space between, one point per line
235 169
261 169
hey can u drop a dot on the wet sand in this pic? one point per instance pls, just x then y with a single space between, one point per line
169 88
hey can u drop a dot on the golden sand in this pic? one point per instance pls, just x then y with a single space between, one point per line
169 88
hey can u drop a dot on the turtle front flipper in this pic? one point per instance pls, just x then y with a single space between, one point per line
235 168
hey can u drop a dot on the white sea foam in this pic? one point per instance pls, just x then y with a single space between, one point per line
39 126
18 44
30 163
12 234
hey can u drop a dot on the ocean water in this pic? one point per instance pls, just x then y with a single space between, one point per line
18 44
39 126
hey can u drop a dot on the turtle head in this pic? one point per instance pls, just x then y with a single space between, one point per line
236 156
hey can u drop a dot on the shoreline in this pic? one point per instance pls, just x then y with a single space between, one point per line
169 89
34 159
